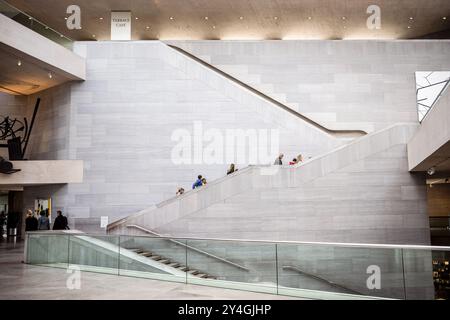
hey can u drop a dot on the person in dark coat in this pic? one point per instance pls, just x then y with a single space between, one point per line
43 222
60 222
31 222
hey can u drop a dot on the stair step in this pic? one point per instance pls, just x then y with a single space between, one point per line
193 272
146 254
174 265
182 268
202 275
165 261
157 258
137 250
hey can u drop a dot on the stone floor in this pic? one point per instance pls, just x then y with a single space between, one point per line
22 281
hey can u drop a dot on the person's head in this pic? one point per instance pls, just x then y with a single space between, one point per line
294 160
232 166
59 212
281 156
204 181
299 157
29 213
199 177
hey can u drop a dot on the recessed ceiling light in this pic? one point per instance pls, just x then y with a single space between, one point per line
101 18
61 36
444 18
309 18
206 18
171 18
411 18
30 18
275 18
19 63
147 27
241 18
213 27
50 75
409 27
343 18
136 18
65 18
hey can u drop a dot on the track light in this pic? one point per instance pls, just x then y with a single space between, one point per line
431 171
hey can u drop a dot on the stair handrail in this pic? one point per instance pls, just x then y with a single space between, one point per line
251 167
189 247
333 132
114 224
331 283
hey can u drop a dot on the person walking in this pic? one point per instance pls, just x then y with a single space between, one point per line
279 160
198 182
231 169
31 222
180 191
43 222
60 222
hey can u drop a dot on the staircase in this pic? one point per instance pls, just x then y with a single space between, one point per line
173 264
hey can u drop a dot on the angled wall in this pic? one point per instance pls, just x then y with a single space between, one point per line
351 84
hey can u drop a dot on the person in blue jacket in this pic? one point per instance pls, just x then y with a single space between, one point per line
198 182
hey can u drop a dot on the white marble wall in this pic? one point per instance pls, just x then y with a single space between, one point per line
120 121
361 192
360 84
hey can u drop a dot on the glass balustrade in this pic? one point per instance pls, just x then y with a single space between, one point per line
34 24
308 270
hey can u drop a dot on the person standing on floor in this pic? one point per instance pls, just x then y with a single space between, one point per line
60 222
31 222
43 222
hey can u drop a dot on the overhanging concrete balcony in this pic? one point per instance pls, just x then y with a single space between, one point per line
42 173
430 146
31 62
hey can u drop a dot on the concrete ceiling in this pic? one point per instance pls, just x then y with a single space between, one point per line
27 78
248 19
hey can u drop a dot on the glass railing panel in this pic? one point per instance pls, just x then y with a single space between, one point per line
233 264
48 249
427 274
153 257
94 253
35 25
338 272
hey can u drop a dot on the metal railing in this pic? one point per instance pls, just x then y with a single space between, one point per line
307 269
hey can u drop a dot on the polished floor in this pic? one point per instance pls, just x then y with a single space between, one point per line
22 281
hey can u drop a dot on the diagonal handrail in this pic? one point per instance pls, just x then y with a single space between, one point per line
336 133
331 283
189 247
